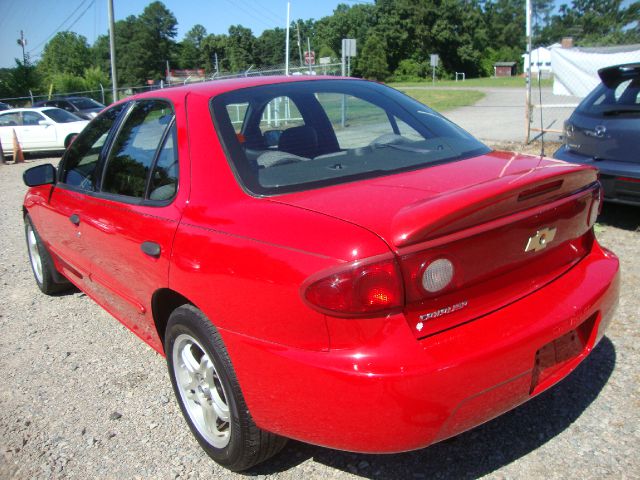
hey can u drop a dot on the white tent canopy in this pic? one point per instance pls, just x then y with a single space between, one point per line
575 70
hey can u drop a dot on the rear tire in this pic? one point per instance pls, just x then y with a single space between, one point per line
44 271
209 395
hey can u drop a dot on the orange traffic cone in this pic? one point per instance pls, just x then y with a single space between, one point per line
18 156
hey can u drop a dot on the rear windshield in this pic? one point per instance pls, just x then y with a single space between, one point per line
620 98
296 136
61 116
85 103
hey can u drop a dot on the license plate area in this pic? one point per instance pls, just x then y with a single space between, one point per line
559 357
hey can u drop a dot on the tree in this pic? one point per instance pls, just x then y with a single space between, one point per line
66 53
191 54
269 47
215 46
241 44
20 80
159 29
372 61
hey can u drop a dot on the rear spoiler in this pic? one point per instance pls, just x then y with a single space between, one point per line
612 76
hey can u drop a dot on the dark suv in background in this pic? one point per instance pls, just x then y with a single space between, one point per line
83 107
604 131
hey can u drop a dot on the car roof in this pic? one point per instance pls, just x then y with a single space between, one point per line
216 87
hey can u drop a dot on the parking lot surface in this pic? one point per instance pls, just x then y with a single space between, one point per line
81 397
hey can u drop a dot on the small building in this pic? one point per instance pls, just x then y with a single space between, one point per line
504 69
540 60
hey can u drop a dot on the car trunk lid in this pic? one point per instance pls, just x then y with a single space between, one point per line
509 224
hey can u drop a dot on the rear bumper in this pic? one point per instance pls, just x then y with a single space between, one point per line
395 393
620 180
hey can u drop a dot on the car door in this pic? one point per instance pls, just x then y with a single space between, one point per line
60 217
33 135
130 225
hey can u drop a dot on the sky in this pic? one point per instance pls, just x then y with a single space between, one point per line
40 20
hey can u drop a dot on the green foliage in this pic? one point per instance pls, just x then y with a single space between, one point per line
372 62
410 70
240 47
67 83
20 80
66 53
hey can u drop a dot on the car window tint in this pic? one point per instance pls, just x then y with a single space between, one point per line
164 178
237 112
356 122
79 167
31 118
280 113
61 116
10 120
135 147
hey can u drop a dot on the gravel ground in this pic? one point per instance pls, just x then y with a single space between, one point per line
84 398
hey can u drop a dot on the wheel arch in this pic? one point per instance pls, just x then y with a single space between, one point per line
163 302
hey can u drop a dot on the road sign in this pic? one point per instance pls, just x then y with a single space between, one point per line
309 57
325 60
348 47
435 58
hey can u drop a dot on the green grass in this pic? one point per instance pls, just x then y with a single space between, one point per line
500 82
443 100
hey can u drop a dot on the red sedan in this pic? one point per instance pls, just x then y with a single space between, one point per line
326 260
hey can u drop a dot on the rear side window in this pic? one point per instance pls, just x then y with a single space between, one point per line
80 164
134 151
623 97
10 120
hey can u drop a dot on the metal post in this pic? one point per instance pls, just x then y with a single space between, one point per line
102 92
112 49
286 42
309 53
299 45
527 110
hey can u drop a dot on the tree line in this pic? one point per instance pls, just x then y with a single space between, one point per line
394 37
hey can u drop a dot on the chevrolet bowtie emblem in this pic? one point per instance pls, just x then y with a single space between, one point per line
540 240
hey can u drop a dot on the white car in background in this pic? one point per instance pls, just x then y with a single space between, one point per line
39 129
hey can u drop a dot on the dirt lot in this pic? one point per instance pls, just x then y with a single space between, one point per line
83 398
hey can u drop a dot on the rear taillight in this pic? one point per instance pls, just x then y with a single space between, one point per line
364 288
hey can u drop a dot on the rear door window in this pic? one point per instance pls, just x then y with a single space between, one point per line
136 147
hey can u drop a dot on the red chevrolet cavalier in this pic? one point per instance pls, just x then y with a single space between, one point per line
326 260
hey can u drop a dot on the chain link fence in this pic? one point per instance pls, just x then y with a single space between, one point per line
104 94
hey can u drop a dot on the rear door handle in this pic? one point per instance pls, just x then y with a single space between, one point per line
151 248
75 219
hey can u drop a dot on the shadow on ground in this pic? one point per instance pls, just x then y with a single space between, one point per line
626 217
481 450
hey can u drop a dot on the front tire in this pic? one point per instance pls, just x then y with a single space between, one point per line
44 271
209 395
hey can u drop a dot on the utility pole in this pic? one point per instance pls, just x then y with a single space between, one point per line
528 93
23 43
112 48
299 46
309 53
286 42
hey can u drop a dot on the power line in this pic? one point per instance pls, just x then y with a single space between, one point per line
59 27
250 13
273 16
72 23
